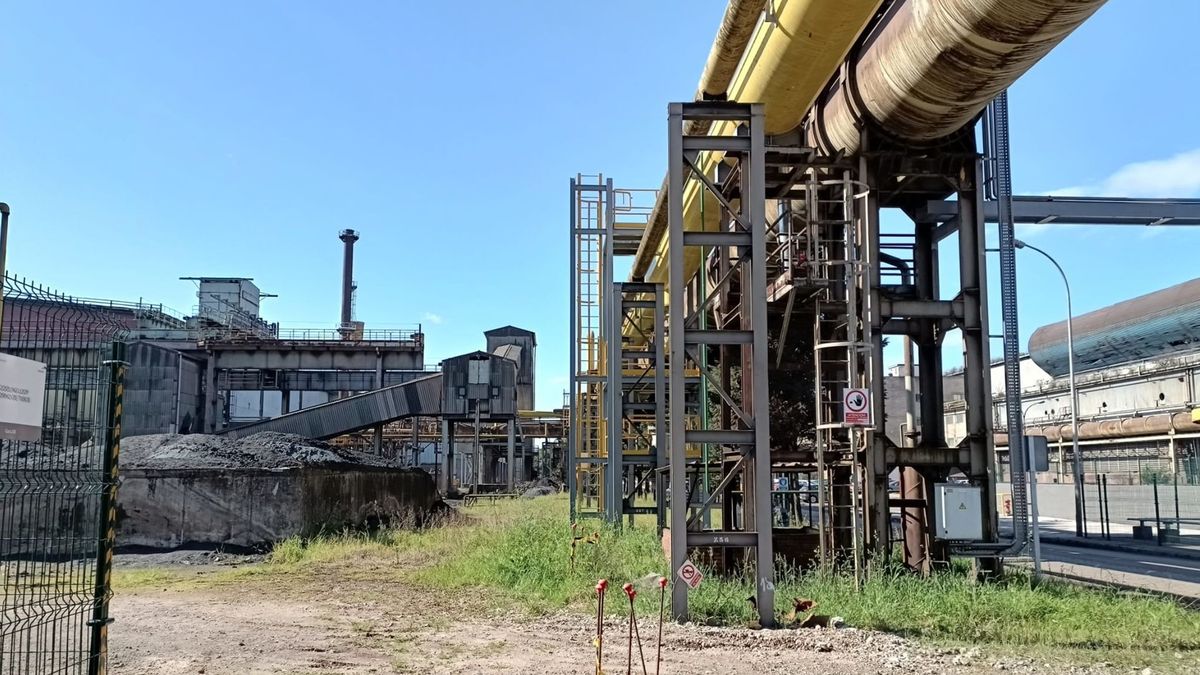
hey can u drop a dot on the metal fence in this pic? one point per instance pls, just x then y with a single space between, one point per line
57 493
1163 510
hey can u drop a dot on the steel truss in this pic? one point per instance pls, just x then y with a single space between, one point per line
592 217
637 382
744 481
617 396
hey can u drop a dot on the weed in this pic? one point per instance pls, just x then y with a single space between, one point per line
519 553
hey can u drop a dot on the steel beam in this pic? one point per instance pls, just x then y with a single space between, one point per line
1031 209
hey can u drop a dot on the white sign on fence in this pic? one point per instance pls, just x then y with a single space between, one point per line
690 574
22 397
856 407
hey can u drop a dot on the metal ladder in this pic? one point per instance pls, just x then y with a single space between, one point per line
841 342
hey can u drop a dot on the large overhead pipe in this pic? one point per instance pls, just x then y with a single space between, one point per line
929 69
783 63
348 238
935 64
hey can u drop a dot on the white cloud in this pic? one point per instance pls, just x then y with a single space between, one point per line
1177 176
430 317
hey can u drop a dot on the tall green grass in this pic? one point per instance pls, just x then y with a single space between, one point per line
519 553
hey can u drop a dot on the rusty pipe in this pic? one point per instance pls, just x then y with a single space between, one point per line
935 64
1126 427
732 37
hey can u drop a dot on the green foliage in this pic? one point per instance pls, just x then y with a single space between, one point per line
519 553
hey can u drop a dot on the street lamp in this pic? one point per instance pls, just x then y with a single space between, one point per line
1077 462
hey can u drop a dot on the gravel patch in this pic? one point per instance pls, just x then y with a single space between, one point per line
265 450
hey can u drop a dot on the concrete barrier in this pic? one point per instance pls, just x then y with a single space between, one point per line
252 508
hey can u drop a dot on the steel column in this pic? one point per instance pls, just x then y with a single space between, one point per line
572 402
751 436
512 455
676 313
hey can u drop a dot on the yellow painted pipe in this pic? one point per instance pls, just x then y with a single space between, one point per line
786 64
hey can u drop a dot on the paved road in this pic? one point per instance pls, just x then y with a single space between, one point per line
1177 576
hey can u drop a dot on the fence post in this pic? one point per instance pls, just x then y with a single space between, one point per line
1100 502
1175 477
98 662
1104 506
1157 520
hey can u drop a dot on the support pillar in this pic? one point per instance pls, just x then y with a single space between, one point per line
877 500
211 412
416 441
512 455
748 438
447 477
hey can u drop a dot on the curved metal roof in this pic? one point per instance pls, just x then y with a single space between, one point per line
1149 326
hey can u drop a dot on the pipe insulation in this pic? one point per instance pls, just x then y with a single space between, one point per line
734 33
926 73
732 37
935 64
784 65
1129 427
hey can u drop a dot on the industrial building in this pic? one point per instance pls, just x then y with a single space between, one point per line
225 369
1137 375
747 342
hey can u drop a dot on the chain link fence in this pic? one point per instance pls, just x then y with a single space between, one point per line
58 487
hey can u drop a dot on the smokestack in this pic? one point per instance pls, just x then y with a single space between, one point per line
348 237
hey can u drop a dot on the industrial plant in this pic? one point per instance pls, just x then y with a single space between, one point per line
788 359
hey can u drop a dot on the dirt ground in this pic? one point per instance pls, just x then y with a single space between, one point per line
365 622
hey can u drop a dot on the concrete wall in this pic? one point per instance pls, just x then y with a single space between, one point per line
1124 501
256 507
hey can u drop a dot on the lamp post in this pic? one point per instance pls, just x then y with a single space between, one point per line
1076 460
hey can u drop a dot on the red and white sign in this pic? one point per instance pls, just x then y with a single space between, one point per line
856 407
690 574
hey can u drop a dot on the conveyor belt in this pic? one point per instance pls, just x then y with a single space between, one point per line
354 413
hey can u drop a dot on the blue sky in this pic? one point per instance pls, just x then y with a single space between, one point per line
141 142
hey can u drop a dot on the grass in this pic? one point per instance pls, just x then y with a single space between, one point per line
518 554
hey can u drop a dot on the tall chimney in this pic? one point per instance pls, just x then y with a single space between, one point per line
348 237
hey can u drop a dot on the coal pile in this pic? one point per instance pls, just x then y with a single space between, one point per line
265 450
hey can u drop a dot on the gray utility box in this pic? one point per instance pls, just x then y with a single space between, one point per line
958 510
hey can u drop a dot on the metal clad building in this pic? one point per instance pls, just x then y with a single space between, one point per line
526 359
479 376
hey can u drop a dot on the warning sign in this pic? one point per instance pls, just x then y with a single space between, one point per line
856 407
22 397
690 574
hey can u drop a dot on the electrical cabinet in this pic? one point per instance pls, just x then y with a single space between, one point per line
958 510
